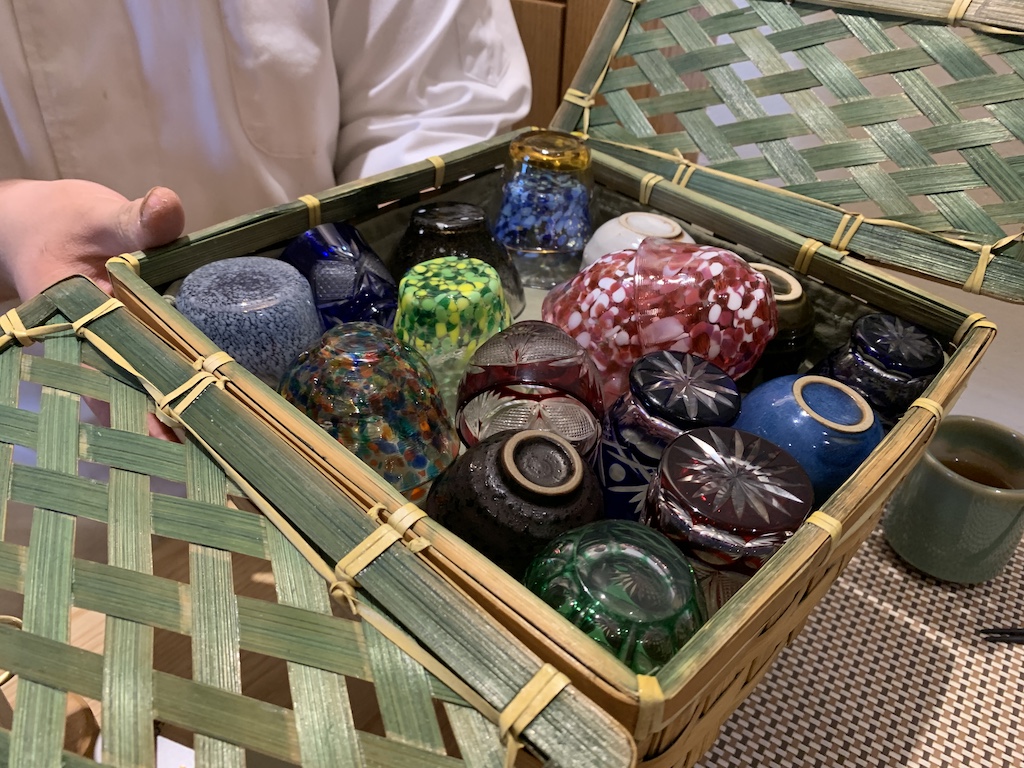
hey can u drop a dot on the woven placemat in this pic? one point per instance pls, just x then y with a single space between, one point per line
890 671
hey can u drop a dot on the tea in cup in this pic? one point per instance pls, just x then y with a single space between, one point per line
959 514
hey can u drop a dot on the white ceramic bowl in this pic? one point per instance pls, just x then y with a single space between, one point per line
628 231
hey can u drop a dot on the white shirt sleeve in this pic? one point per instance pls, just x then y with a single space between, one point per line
423 77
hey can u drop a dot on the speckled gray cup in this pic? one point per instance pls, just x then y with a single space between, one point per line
258 310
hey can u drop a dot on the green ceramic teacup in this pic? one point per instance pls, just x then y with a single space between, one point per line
959 514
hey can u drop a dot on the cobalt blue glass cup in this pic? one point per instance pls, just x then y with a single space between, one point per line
669 393
887 360
350 283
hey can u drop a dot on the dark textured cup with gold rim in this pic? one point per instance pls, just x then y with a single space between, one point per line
511 493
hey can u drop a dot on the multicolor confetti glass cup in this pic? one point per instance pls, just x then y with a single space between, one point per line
703 300
378 398
665 295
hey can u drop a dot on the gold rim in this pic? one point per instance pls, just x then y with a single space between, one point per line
794 289
867 416
508 459
674 229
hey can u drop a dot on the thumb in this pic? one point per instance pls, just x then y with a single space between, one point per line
156 219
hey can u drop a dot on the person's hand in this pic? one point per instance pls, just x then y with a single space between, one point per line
50 230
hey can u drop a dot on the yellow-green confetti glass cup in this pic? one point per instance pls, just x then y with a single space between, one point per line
447 307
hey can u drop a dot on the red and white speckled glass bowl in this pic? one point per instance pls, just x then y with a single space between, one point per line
666 295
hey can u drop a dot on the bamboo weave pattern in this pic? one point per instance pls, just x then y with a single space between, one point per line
911 122
65 478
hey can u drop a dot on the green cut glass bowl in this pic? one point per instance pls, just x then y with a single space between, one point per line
627 586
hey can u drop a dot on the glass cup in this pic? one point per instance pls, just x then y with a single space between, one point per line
447 307
669 393
624 585
544 219
457 229
959 514
350 283
378 398
258 310
730 500
887 360
532 375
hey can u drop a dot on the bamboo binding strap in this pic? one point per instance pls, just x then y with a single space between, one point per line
806 255
81 329
79 325
212 362
531 700
191 389
368 550
438 163
14 330
404 518
848 226
973 282
587 100
313 208
647 185
929 405
651 706
583 100
830 525
684 173
957 11
579 98
128 259
977 320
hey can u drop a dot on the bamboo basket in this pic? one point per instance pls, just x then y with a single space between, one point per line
897 140
675 715
212 510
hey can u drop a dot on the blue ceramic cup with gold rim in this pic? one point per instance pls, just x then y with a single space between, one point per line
822 423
